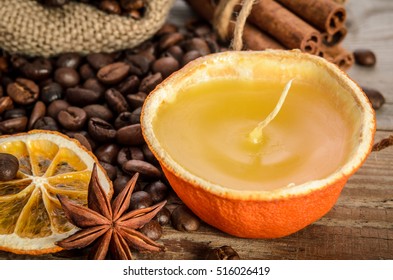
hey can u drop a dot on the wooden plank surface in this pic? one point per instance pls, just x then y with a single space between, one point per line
360 225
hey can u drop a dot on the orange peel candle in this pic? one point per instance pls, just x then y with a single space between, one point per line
251 178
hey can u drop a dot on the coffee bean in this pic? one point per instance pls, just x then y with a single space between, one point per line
94 85
140 200
111 171
23 91
99 60
163 216
110 6
9 166
56 106
101 130
98 111
375 97
132 4
116 101
222 253
136 100
127 153
107 153
51 92
197 44
113 73
150 82
149 156
144 168
139 64
184 220
365 57
189 56
87 72
120 183
46 123
67 77
68 60
126 119
167 28
83 140
82 96
6 103
38 112
152 230
157 190
176 52
170 39
166 66
72 118
14 113
130 135
39 69
129 85
13 125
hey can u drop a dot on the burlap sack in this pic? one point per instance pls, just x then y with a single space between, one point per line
29 28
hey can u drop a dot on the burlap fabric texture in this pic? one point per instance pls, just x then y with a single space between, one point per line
28 28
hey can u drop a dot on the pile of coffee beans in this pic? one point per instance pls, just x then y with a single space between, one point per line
97 99
133 8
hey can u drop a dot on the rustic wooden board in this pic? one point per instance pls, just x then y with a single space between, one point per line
360 225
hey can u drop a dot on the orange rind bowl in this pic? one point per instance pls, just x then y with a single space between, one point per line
283 211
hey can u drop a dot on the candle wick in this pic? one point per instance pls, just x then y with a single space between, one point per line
256 134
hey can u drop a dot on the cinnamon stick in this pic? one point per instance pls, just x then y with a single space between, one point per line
325 15
253 38
339 56
285 26
335 38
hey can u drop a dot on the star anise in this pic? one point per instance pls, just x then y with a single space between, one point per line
106 225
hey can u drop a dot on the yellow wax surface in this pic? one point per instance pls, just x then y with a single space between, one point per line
205 129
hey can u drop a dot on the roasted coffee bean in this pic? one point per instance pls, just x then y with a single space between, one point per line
125 119
113 73
189 56
127 153
87 72
110 7
184 220
120 182
51 92
130 135
163 216
9 166
107 153
72 118
82 96
67 77
116 101
95 85
176 52
13 125
23 91
132 4
14 113
222 253
150 82
101 130
54 3
136 100
157 190
99 60
6 103
38 112
111 171
166 66
365 57
83 140
69 60
152 230
129 85
144 168
375 97
98 111
167 28
56 106
140 200
39 69
139 64
169 40
149 156
3 65
46 123
197 44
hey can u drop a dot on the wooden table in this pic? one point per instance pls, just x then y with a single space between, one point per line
360 226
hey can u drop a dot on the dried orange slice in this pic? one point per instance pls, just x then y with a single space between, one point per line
31 217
